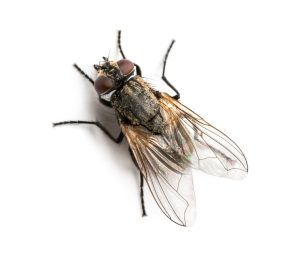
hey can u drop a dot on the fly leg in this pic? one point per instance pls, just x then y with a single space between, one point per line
83 73
117 139
177 96
104 102
141 184
138 68
119 44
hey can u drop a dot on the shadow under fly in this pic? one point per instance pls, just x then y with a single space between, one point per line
166 139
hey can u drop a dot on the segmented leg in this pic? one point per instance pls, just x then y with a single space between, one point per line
117 139
138 68
141 185
104 102
177 96
83 73
119 44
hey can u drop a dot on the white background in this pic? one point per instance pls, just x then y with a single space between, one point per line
71 190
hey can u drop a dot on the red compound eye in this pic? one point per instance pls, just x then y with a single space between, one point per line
103 84
125 66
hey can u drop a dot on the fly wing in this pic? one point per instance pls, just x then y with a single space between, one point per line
214 152
166 172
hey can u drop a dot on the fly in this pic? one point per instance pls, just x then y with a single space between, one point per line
166 139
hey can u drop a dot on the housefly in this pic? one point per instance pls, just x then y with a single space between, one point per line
166 139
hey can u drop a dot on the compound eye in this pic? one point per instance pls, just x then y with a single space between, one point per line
126 67
103 84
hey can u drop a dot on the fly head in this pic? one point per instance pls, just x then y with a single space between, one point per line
112 74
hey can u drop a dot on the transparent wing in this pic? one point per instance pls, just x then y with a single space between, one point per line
165 160
166 172
214 152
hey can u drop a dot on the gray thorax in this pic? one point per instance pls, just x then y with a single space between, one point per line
136 103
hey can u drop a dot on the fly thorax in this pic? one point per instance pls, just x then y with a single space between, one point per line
136 103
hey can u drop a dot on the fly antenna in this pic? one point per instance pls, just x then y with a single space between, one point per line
108 55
